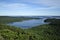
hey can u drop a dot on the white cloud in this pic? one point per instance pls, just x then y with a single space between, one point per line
51 3
48 7
13 6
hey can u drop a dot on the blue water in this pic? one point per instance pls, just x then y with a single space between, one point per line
28 23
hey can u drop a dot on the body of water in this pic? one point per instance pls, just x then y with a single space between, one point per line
28 23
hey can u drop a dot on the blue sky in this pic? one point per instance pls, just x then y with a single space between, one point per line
30 7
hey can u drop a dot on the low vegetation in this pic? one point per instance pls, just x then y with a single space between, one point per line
49 31
8 19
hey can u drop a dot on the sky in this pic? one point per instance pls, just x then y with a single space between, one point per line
29 7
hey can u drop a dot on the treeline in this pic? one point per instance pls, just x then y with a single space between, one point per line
54 21
8 19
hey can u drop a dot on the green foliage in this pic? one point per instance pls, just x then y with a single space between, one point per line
43 32
7 19
53 21
49 31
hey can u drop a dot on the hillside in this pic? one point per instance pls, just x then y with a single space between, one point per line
49 31
43 32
